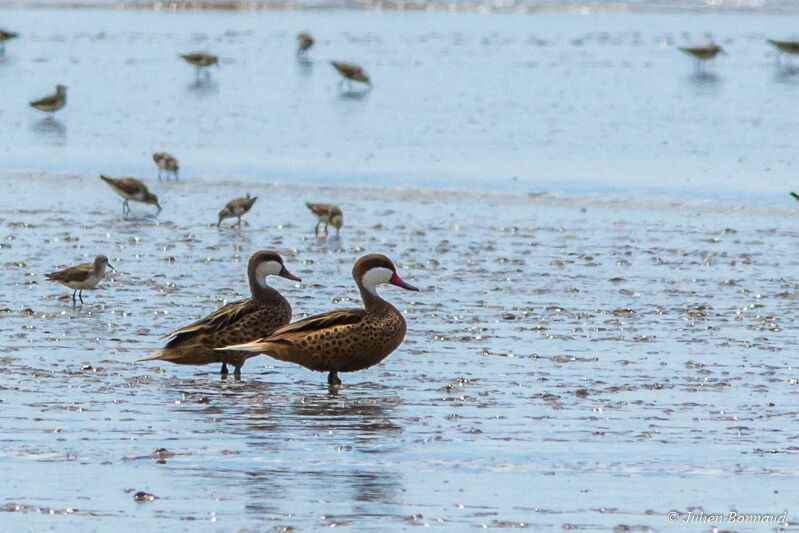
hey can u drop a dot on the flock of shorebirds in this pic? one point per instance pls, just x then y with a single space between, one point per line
345 340
350 72
340 341
703 54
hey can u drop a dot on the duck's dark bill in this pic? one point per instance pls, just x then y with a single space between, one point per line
286 274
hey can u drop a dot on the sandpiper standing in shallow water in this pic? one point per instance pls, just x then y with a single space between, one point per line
6 36
132 189
236 209
348 339
304 42
791 48
326 214
350 72
166 163
83 277
201 60
703 54
52 103
237 322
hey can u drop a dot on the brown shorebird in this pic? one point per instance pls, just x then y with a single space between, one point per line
350 72
6 36
304 42
703 54
346 340
327 214
132 189
237 322
201 60
236 208
83 277
787 47
166 163
54 102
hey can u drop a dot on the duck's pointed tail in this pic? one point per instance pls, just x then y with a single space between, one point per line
151 357
254 346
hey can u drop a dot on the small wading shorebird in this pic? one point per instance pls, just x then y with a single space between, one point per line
304 42
83 277
201 60
327 214
345 340
236 209
258 316
787 47
54 102
166 163
132 189
703 54
6 36
350 72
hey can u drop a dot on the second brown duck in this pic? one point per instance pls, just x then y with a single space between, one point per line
346 340
241 321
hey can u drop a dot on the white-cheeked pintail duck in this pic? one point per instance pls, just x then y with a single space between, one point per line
258 316
346 340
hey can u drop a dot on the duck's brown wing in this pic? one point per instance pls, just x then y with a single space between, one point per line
344 317
223 317
72 274
292 333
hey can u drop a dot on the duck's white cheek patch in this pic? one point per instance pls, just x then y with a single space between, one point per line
375 277
269 268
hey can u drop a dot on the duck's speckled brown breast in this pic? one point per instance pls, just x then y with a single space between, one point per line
348 347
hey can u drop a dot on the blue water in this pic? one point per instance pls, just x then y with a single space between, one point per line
528 103
603 239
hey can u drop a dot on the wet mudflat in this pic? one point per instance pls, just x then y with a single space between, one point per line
572 362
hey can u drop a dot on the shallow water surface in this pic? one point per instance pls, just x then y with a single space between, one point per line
575 362
550 102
